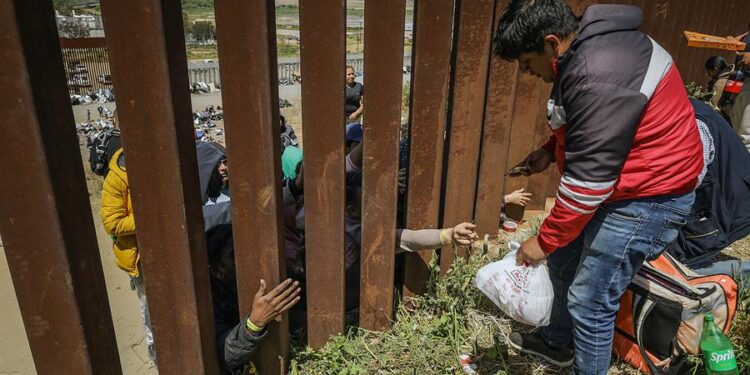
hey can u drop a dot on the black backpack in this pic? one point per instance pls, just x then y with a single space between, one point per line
101 148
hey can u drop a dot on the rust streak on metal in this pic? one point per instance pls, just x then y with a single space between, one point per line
469 86
521 138
501 87
384 58
146 42
322 53
537 184
45 216
247 54
429 99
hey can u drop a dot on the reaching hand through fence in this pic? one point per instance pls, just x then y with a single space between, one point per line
463 234
270 306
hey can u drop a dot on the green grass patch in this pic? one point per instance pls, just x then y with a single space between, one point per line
210 51
286 27
740 331
198 6
286 49
201 51
430 331
355 12
287 10
453 318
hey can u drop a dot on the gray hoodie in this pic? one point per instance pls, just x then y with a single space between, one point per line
209 155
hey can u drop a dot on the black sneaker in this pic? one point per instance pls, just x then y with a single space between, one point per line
532 343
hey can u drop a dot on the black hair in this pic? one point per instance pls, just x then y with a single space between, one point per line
717 62
524 24
215 183
353 183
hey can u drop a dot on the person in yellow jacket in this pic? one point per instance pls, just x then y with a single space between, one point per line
117 216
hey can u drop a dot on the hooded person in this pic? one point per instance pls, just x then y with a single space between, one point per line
238 338
210 156
216 205
291 161
292 180
294 240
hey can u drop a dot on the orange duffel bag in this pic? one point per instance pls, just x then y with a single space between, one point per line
661 314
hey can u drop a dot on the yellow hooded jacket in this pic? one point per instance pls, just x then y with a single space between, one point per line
117 216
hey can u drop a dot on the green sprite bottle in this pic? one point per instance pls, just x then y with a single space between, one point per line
718 354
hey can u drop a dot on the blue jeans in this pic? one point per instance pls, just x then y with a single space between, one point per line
738 269
590 275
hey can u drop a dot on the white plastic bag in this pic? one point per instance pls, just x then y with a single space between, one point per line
523 292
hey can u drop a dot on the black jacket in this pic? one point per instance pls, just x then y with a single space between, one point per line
235 344
721 212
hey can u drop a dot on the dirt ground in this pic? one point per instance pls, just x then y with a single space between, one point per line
15 355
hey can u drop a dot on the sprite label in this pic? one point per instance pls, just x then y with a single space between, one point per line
718 354
722 360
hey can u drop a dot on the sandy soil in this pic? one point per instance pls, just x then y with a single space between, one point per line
15 355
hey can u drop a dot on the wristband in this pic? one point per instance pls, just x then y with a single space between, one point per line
445 237
252 327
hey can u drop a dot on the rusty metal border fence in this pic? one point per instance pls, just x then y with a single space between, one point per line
163 178
380 170
472 116
469 84
86 65
431 68
45 216
323 54
248 56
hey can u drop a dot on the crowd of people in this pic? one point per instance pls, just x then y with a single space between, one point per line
644 170
237 337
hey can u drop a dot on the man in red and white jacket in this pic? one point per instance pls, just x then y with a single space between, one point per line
626 143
